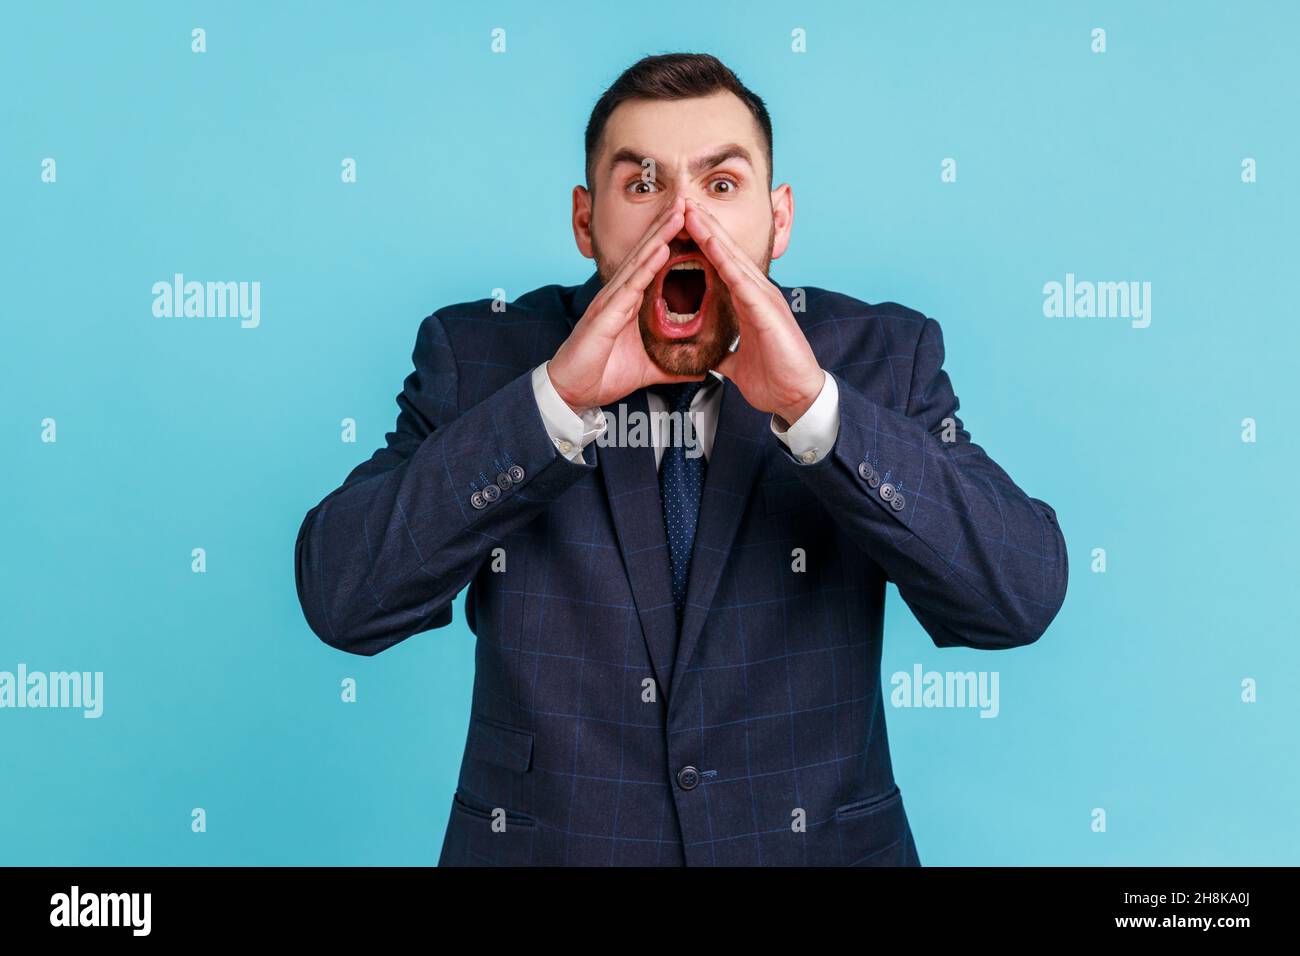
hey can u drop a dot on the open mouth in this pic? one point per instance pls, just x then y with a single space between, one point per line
682 293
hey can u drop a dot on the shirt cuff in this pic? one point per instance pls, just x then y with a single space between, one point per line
571 433
811 438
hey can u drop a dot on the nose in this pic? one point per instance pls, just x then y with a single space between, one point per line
681 243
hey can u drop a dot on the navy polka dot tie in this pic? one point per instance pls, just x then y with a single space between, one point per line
681 483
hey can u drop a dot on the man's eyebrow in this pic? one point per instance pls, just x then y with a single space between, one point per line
626 155
698 165
720 156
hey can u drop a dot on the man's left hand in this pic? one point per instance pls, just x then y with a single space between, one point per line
774 366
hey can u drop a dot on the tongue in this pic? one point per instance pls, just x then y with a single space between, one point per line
684 290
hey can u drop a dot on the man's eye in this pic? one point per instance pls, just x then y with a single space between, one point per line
730 184
636 183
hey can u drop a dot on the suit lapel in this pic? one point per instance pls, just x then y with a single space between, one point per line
631 483
733 465
632 486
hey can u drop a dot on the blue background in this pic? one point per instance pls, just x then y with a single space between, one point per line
183 433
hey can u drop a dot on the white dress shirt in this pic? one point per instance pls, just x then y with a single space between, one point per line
809 439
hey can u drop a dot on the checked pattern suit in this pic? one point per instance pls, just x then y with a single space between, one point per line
600 733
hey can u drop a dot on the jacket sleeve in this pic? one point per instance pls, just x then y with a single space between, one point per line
979 562
383 556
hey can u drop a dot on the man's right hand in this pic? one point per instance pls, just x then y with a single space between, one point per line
604 359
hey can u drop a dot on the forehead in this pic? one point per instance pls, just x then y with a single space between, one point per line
676 130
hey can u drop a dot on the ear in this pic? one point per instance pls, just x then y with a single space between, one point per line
782 218
582 220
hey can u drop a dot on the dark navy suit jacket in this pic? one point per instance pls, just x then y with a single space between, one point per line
598 734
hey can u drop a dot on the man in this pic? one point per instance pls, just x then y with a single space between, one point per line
678 653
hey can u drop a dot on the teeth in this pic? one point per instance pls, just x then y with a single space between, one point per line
678 318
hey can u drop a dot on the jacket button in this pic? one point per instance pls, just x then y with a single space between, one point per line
491 492
688 778
516 473
897 503
477 500
874 480
504 482
865 470
886 491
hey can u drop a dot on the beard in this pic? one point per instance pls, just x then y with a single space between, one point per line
703 351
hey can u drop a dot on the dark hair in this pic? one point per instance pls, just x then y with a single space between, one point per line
672 76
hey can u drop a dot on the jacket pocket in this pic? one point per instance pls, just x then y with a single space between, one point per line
873 831
495 775
500 744
473 838
869 804
479 811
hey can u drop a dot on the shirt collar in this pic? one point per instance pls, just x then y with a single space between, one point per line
730 348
